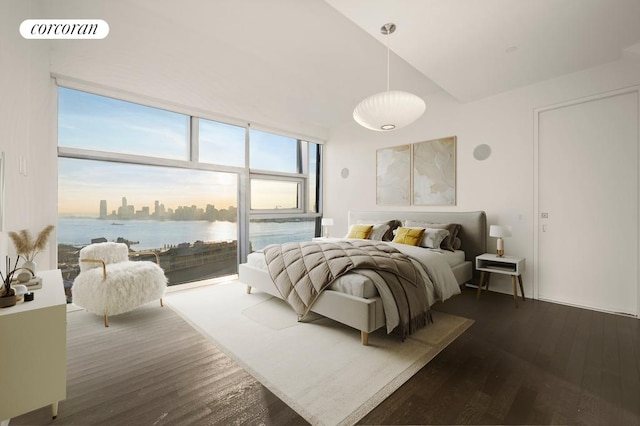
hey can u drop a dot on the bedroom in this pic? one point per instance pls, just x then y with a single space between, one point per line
504 185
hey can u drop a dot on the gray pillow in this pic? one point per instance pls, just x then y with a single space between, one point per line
453 228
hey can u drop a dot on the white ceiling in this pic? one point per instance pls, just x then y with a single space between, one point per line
303 65
477 48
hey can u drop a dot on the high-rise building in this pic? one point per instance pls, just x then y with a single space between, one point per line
103 209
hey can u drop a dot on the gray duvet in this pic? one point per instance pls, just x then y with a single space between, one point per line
301 271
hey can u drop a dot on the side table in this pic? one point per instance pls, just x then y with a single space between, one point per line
35 350
507 265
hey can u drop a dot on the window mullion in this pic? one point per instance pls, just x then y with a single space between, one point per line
194 138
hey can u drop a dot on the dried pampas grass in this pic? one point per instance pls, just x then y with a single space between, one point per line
26 246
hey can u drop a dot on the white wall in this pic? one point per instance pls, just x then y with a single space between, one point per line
25 120
502 185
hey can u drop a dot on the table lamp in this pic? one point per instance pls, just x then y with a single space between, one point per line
326 223
499 232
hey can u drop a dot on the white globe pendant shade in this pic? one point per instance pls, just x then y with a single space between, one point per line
392 109
389 110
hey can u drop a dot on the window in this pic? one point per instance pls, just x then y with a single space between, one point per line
275 194
314 174
272 152
189 217
137 174
221 143
280 230
99 123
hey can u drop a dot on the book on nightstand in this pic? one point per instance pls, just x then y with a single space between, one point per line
33 284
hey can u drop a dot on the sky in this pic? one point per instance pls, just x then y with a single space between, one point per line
100 123
83 183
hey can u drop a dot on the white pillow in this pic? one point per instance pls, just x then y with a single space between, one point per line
433 237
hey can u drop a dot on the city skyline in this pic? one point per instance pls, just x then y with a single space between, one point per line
83 183
128 211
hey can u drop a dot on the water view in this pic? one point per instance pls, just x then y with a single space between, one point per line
188 250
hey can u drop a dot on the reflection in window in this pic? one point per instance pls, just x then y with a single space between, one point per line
89 121
188 216
273 152
274 194
221 143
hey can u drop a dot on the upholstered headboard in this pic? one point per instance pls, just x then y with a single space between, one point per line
473 233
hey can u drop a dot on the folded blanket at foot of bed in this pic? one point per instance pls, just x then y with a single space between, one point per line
301 271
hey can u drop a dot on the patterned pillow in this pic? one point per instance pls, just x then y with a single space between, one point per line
433 238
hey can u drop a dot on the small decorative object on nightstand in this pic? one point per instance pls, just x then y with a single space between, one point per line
507 265
326 223
499 232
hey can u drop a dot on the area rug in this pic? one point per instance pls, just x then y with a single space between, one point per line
319 368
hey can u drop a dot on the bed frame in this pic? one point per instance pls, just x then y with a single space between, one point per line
367 315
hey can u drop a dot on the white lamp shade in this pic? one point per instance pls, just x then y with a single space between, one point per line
326 221
389 110
499 231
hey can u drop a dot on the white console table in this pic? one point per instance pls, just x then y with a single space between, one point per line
34 350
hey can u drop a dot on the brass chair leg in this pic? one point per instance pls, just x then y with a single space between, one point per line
161 304
248 289
106 320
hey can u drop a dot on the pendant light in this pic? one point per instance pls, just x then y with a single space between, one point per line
392 109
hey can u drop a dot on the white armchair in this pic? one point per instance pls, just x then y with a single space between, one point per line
110 284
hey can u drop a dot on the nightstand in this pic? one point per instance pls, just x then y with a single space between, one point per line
488 264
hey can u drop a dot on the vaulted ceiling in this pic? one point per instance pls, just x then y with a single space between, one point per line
477 48
307 63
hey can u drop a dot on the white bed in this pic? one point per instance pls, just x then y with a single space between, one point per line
353 299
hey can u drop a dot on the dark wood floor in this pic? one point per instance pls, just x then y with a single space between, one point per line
540 364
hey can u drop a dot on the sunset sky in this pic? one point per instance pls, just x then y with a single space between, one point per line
83 183
100 123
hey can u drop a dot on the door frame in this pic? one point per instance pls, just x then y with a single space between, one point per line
536 176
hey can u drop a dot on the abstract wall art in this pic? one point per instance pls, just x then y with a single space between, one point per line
422 174
434 172
393 176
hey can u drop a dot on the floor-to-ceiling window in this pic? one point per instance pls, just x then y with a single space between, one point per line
283 202
177 184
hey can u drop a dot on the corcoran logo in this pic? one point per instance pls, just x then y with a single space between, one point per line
64 29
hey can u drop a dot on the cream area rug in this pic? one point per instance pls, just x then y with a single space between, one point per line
318 368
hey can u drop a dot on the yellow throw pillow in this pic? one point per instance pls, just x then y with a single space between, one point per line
360 231
409 236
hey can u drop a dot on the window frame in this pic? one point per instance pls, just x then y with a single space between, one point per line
279 178
244 173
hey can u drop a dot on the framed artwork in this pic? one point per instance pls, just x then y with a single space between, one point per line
434 172
393 176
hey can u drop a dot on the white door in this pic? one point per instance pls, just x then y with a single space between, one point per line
588 190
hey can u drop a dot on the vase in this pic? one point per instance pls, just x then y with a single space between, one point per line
6 301
30 265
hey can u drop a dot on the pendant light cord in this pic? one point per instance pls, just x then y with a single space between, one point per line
388 62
